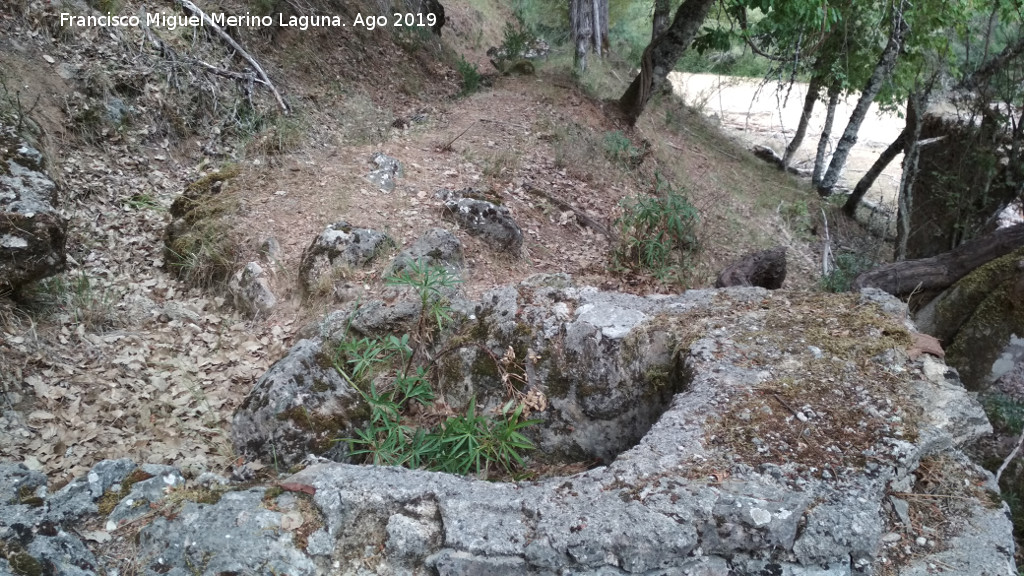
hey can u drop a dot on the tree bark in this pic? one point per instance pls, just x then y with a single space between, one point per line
588 21
866 181
661 56
659 23
805 119
826 132
942 271
881 73
911 153
581 22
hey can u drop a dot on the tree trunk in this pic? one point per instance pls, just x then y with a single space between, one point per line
662 10
866 181
911 153
826 132
881 73
661 56
805 119
581 23
942 271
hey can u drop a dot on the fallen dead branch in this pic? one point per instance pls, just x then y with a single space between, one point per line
262 76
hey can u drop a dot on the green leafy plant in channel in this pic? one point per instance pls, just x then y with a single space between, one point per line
383 371
618 148
657 233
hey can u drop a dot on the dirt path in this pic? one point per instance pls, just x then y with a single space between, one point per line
763 114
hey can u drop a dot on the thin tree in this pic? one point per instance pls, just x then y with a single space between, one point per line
881 73
588 23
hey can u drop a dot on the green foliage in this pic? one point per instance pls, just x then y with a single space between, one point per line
429 283
470 76
657 234
1004 412
517 39
469 443
847 266
618 148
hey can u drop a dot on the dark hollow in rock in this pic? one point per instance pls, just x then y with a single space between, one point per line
766 269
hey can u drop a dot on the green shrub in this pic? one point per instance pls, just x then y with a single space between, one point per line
657 234
469 443
847 266
470 76
619 149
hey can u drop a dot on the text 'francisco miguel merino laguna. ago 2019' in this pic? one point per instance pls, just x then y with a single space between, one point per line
172 21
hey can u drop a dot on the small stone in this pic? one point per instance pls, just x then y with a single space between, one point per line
921 541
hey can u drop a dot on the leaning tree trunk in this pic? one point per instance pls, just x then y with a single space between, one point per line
805 119
659 23
661 56
826 132
868 180
881 73
940 272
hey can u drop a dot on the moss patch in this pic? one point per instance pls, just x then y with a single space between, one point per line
22 563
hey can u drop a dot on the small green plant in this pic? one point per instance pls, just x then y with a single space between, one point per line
382 370
657 233
847 267
518 39
142 201
80 299
470 76
619 149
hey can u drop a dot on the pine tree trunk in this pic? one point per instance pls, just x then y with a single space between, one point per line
881 73
661 57
866 181
826 132
805 119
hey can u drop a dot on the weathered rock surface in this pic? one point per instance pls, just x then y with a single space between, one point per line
300 406
32 231
251 291
977 319
387 170
436 247
339 246
482 218
800 440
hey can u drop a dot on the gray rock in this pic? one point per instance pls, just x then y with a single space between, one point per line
143 493
78 498
437 247
338 247
301 405
32 231
270 250
387 171
19 485
490 221
237 535
251 291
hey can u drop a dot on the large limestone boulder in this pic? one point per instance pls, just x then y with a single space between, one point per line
32 231
301 406
978 318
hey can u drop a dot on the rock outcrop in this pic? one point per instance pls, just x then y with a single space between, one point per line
483 218
795 437
32 231
339 247
251 292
